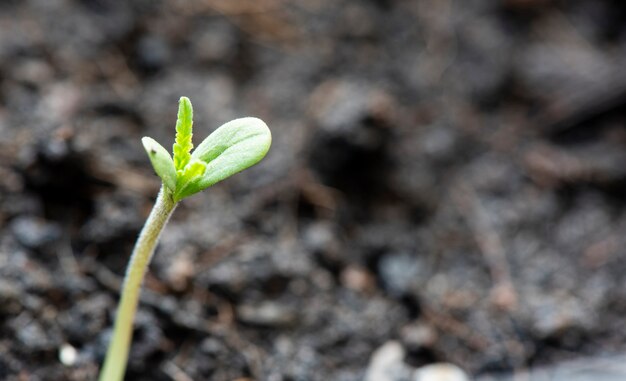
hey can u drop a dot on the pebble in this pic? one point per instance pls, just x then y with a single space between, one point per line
387 364
267 314
440 372
68 355
358 279
418 335
602 368
318 236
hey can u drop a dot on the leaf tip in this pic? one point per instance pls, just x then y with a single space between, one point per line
262 132
149 145
185 109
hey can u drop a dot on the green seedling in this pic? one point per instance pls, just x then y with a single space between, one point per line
233 147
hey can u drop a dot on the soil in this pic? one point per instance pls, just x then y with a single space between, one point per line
447 174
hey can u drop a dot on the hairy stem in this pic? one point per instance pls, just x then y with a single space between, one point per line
117 355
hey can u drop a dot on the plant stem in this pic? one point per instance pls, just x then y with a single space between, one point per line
117 355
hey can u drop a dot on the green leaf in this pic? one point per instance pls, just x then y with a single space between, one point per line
235 146
161 162
184 126
188 178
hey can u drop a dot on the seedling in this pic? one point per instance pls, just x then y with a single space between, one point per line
233 147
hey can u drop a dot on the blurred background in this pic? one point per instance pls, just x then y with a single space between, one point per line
447 183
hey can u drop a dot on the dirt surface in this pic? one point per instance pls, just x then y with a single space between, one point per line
448 174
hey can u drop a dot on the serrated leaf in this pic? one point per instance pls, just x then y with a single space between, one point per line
161 162
235 146
195 168
188 179
184 132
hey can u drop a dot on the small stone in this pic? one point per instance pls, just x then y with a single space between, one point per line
318 236
267 314
419 335
68 355
211 346
357 279
387 364
440 372
56 150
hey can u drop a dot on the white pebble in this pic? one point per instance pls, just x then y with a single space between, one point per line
387 363
68 355
440 372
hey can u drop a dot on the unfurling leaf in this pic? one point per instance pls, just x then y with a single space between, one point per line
188 179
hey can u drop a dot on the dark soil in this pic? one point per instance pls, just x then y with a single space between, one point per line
449 174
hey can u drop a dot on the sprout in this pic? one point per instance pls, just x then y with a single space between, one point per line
235 146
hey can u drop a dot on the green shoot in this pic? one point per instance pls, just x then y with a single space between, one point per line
230 149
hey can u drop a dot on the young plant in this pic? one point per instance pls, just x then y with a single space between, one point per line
233 147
